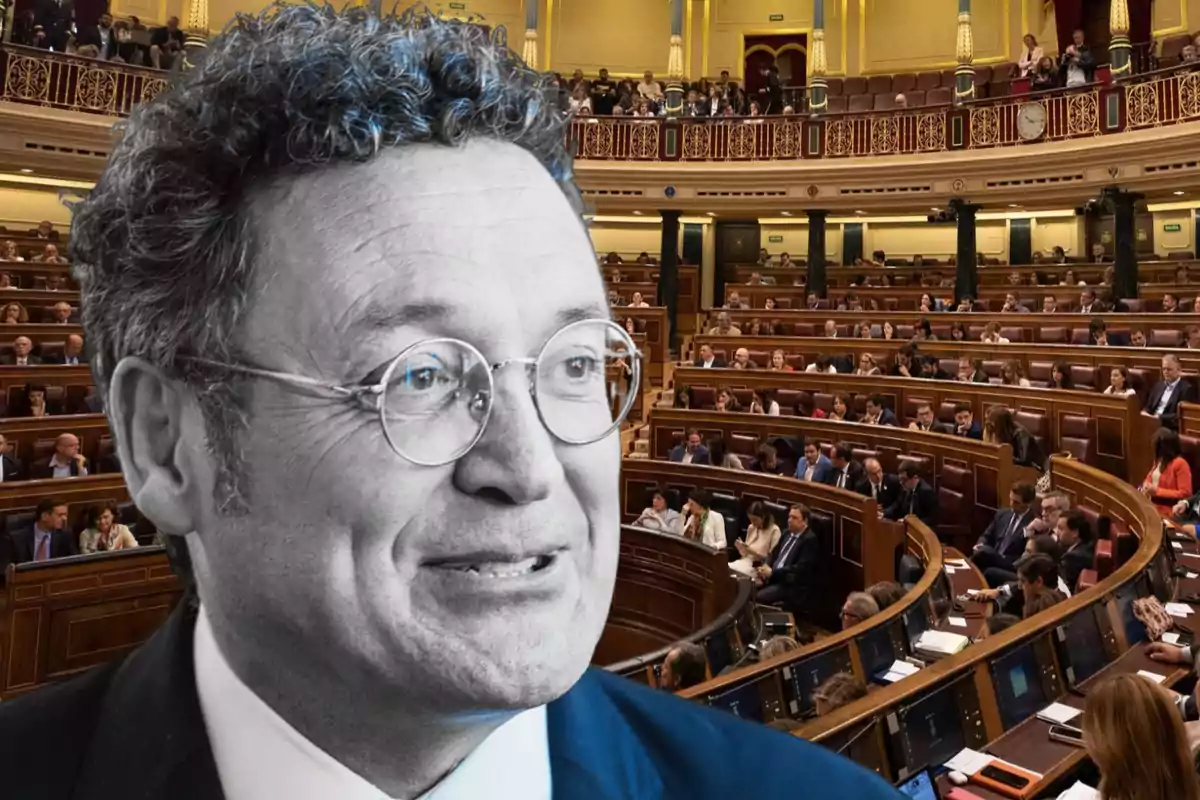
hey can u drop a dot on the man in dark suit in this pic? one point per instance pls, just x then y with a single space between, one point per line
1077 540
771 93
21 354
47 538
876 483
708 359
917 498
965 424
55 17
362 618
72 352
1003 542
845 473
1164 399
691 451
10 468
101 35
925 420
790 575
878 413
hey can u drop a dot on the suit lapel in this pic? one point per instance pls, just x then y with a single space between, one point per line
152 701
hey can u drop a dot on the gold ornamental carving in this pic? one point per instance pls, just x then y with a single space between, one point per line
931 132
839 138
1189 95
787 140
598 140
96 90
1141 105
985 127
885 136
28 79
697 141
1083 114
741 140
643 141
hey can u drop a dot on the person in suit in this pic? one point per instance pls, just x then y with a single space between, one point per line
1003 542
1164 399
925 420
55 18
21 355
877 413
47 538
1010 595
845 473
771 93
10 468
66 462
340 582
814 467
876 483
1077 540
692 451
684 667
708 359
790 575
101 36
917 498
965 424
72 352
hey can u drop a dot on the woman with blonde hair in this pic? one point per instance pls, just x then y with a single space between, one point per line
1013 373
867 365
1135 736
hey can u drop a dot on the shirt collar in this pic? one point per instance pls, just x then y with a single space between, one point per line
258 754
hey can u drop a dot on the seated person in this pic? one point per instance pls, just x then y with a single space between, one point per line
684 667
767 461
1163 400
904 365
1047 598
886 593
814 467
691 451
30 401
1077 541
1170 479
877 484
10 468
859 607
708 359
48 537
822 365
917 497
72 353
724 326
659 516
1009 593
762 537
1003 542
924 421
22 354
931 369
965 424
727 401
839 689
762 401
701 523
49 255
719 455
741 359
104 533
877 413
790 575
844 472
65 463
1001 428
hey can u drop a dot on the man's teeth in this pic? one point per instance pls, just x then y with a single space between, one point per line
506 569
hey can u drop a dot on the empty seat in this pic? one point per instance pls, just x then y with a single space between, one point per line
1134 305
916 98
861 102
904 82
1083 376
1052 335
1013 334
956 492
1003 72
833 87
1181 255
885 101
948 79
1165 338
1037 425
1039 372
853 86
1078 437
938 97
837 105
928 80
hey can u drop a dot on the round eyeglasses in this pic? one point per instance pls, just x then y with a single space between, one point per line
435 398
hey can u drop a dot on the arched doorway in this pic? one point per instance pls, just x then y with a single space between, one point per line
789 52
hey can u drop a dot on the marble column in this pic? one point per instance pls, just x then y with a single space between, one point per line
195 29
529 53
675 74
964 51
817 64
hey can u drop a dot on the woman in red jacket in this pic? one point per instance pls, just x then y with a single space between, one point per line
1171 478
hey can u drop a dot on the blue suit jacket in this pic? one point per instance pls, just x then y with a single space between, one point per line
133 729
611 738
820 472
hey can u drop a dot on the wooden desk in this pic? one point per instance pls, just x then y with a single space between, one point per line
32 439
654 321
644 279
983 473
69 614
1123 434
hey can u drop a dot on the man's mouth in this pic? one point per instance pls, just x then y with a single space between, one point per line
495 566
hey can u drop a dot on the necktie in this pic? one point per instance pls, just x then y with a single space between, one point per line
842 479
912 500
875 491
785 551
43 551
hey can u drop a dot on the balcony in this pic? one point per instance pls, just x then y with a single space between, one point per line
73 83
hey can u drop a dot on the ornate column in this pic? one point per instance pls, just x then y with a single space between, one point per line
966 272
964 51
817 98
1119 48
675 61
529 53
668 274
816 250
195 40
1125 263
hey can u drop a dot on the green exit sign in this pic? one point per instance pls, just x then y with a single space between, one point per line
1172 227
775 239
458 6
776 18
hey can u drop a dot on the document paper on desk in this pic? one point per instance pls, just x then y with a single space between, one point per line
1080 791
1058 714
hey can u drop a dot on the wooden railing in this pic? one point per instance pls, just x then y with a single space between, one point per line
39 77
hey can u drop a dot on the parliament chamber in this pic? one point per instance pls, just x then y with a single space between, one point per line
915 293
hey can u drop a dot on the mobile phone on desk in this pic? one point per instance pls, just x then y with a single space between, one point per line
1067 735
1003 776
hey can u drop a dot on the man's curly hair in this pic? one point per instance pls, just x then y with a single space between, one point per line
163 246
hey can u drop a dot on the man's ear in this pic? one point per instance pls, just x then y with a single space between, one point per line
160 434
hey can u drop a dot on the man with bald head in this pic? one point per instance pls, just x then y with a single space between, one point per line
877 484
21 355
741 359
72 354
65 463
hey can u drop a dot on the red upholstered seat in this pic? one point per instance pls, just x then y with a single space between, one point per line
1039 372
916 99
837 105
1013 334
1165 338
904 82
833 87
806 329
956 490
1037 425
704 396
743 444
878 84
1087 579
1053 335
862 102
1078 437
929 80
1080 336
1084 376
787 401
939 97
885 101
1133 305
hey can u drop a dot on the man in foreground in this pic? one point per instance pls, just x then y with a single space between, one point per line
355 352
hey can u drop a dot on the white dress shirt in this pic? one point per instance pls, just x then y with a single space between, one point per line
260 756
1167 394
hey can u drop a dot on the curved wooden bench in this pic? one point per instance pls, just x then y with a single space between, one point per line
990 275
880 731
1122 444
